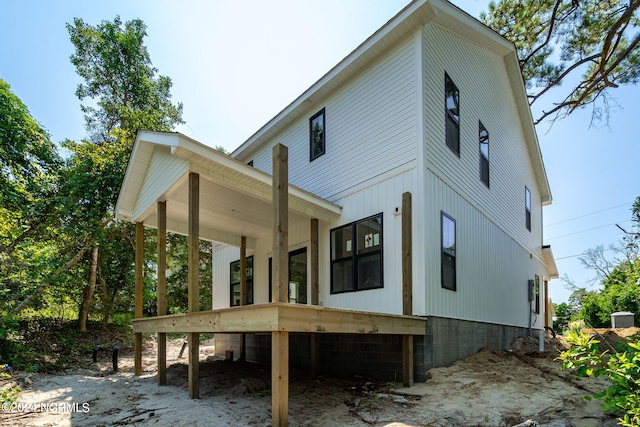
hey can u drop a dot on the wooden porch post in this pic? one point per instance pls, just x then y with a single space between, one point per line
139 260
243 289
194 281
547 319
315 291
407 288
162 290
280 291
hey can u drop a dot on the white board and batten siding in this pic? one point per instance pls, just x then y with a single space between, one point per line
384 196
496 254
371 128
370 160
164 170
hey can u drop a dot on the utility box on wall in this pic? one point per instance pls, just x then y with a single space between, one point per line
622 319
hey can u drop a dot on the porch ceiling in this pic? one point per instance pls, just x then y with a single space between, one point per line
235 199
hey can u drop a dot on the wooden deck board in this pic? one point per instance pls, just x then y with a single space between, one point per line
285 318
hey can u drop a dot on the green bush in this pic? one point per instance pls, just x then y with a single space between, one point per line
622 368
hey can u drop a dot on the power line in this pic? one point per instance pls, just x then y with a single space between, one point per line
589 214
582 254
589 229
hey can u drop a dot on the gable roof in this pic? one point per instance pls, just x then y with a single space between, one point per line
235 199
417 13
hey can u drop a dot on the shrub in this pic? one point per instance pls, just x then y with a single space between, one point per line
622 368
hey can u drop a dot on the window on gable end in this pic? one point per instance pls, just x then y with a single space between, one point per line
483 138
527 207
317 135
452 114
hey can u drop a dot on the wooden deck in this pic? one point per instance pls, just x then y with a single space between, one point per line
283 317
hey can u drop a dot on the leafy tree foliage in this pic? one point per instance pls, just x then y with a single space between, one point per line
563 316
620 280
118 75
28 160
592 42
28 188
117 71
621 367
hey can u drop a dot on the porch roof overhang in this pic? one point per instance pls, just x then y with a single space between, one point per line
550 262
235 199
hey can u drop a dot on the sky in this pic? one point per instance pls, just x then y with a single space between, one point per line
236 64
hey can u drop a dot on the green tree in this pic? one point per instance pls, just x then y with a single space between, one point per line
621 367
117 71
28 162
28 186
592 42
563 317
119 77
619 278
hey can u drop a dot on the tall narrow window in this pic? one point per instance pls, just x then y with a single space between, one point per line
356 256
235 282
316 135
448 260
297 276
483 137
527 207
537 294
452 113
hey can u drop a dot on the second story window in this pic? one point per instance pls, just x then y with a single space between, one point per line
452 113
527 207
316 135
483 137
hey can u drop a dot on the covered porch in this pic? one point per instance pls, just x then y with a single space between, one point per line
176 184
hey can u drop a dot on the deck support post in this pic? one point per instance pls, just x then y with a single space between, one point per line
162 290
315 291
243 289
139 261
279 379
407 288
194 281
280 291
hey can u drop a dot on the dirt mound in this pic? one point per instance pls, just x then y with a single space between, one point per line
613 339
530 345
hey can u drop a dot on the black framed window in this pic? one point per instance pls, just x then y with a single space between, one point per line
483 138
297 276
527 207
452 114
537 294
356 256
317 135
235 282
448 258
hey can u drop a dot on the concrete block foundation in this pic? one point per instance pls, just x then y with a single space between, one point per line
380 356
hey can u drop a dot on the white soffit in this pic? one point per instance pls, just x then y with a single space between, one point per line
550 262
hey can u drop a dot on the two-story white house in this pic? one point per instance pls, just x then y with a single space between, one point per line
432 104
415 191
